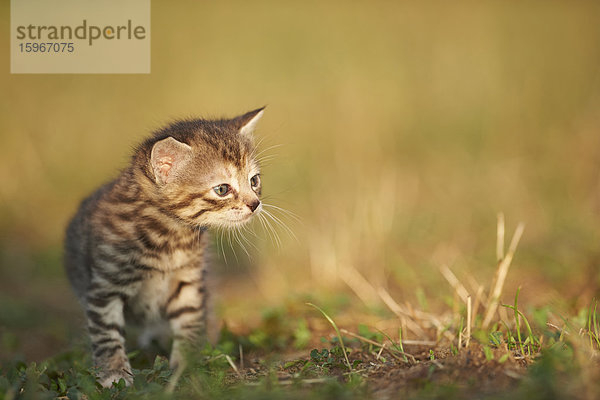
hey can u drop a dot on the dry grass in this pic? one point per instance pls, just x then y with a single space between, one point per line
402 129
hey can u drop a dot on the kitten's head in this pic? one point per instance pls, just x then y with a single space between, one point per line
205 172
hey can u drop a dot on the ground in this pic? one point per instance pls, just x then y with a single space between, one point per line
288 356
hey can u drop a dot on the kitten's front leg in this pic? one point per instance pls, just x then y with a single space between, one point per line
106 327
185 310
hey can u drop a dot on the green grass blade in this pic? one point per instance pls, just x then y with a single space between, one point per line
396 346
339 335
518 327
531 339
509 337
589 327
595 324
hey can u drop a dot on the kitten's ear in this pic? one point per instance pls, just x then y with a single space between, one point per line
247 122
168 156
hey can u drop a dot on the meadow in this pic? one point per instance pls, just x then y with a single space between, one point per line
439 168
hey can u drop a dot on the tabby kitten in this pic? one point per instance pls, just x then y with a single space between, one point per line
136 247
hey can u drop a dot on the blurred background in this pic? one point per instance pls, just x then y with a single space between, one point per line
401 130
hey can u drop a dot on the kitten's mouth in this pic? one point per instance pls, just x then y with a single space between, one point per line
245 218
241 219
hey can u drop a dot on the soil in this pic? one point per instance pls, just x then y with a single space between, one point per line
468 372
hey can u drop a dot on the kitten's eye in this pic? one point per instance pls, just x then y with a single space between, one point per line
255 181
222 190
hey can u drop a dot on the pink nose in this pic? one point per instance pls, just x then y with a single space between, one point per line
253 205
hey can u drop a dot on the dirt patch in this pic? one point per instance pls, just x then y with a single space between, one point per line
469 373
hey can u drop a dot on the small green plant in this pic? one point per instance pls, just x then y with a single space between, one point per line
489 356
531 340
397 346
592 328
301 334
327 359
339 335
453 349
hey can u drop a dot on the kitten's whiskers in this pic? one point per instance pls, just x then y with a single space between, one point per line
266 159
222 231
257 155
279 222
231 245
283 210
241 230
270 230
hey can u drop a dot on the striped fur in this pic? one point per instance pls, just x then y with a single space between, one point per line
136 247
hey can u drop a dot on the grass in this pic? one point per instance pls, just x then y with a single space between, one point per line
395 131
324 373
337 331
506 359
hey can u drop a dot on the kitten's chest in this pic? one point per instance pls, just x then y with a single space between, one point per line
148 304
152 294
174 259
174 251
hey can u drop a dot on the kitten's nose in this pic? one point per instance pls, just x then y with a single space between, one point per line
253 205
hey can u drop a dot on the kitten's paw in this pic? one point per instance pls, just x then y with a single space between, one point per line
106 378
176 360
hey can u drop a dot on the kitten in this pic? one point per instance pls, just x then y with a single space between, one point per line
136 247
